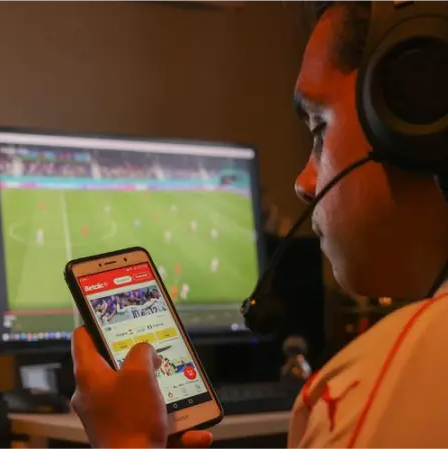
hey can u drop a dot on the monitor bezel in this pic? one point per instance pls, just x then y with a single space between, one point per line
202 336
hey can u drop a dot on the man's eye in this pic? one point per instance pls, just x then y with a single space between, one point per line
319 134
319 130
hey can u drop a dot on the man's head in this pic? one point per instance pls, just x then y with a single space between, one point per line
384 231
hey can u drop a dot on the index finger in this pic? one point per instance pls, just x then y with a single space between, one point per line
87 361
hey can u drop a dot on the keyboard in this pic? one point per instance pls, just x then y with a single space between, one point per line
238 399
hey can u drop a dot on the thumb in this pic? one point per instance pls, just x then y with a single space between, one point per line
142 356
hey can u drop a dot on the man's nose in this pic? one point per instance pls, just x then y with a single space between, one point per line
305 185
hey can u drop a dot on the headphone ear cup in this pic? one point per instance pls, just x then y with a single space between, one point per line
413 81
402 95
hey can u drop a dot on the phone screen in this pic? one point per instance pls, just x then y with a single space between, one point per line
129 307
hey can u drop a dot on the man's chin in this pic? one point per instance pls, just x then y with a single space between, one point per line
323 245
345 275
354 282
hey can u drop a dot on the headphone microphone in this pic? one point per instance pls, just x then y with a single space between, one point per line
402 105
264 312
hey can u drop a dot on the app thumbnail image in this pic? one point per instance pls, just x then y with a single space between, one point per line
173 364
129 305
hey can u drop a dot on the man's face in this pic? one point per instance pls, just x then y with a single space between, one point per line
383 230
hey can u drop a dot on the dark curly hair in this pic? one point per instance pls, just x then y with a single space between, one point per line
351 31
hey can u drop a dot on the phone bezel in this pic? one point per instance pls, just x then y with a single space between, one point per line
197 416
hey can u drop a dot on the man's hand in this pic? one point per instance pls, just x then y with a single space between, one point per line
123 408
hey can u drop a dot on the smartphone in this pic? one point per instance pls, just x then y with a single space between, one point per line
123 301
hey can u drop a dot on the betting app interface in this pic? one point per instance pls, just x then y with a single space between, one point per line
130 308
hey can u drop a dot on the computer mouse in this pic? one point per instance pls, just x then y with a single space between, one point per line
31 401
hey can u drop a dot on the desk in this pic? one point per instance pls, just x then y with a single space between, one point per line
41 428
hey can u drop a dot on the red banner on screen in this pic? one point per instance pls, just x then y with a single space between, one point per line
121 277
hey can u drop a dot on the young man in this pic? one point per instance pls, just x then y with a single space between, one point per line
385 233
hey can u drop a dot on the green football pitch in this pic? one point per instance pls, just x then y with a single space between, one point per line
76 223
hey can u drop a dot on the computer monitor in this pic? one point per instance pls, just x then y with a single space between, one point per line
193 205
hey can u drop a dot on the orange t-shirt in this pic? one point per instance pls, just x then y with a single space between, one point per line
387 388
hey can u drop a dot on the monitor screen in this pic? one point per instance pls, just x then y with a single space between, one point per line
193 206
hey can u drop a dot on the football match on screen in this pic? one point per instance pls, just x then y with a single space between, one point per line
192 212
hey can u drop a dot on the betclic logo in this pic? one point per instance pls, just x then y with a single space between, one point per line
94 287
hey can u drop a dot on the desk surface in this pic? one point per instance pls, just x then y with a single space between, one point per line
68 427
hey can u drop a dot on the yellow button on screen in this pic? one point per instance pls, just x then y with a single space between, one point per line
145 338
166 333
122 345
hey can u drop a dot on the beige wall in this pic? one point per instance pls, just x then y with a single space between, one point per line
156 70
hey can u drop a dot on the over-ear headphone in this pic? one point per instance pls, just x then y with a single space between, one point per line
402 89
402 103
